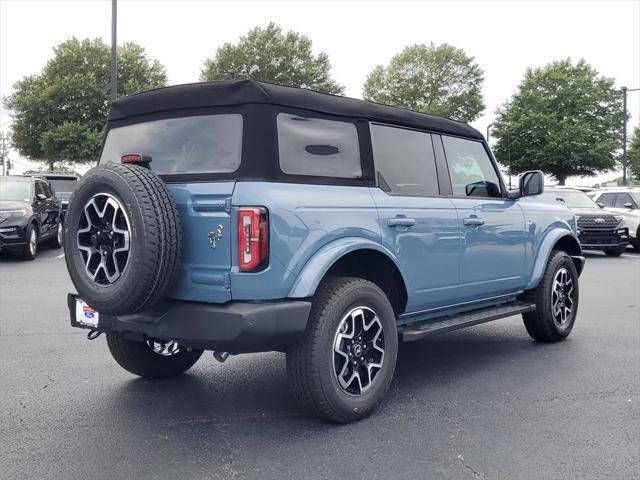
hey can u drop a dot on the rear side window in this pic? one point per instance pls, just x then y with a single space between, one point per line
318 147
200 144
471 170
404 160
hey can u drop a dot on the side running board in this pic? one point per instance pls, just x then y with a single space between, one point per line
417 331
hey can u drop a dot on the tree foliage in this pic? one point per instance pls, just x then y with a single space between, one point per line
634 154
269 55
441 80
59 114
563 119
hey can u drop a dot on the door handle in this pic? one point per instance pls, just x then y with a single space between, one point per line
472 221
401 222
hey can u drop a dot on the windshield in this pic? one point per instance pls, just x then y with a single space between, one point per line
15 189
63 187
573 199
202 144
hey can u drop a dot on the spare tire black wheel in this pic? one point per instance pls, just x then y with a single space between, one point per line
123 238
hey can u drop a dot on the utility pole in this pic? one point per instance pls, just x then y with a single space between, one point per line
625 116
3 152
114 50
624 136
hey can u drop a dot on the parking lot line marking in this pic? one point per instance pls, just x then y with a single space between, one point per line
60 256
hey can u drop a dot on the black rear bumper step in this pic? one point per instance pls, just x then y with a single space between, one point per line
420 330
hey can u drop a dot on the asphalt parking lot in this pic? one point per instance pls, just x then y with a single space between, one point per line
483 403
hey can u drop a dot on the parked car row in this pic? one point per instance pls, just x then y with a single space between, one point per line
598 228
32 210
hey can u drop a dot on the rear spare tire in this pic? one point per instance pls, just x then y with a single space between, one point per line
123 238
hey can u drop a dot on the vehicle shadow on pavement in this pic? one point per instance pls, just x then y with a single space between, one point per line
255 387
13 257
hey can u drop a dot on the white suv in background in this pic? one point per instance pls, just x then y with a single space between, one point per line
625 202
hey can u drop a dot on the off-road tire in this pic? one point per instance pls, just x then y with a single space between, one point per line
27 254
310 362
155 238
540 324
138 358
614 252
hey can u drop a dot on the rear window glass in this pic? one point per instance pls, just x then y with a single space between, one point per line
63 185
202 144
318 147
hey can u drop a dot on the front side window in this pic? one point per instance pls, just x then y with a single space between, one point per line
404 160
200 144
623 199
608 199
318 147
471 170
41 189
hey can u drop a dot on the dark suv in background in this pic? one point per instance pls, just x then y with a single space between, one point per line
63 184
30 213
598 228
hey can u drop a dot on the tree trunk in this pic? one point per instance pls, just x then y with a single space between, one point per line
52 164
561 179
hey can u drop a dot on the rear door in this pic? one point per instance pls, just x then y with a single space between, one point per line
492 225
418 225
196 156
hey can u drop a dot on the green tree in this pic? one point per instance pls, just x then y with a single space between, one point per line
269 55
563 119
59 114
634 154
441 80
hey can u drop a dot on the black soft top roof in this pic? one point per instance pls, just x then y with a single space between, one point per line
242 92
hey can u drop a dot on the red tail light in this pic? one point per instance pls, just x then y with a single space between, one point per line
253 239
135 158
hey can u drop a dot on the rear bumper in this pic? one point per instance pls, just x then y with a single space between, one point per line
236 327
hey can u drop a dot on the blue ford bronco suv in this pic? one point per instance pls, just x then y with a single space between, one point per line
241 216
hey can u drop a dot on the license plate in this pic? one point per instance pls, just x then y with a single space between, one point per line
85 315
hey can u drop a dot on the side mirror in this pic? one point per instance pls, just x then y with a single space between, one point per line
601 205
628 205
41 197
531 183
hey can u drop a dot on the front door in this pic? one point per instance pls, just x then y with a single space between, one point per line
492 226
418 225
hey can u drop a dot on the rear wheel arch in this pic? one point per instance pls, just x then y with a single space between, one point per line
376 267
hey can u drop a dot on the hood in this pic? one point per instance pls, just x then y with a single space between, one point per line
13 205
591 211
